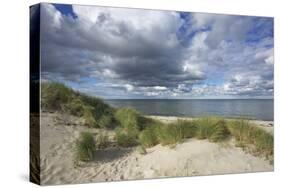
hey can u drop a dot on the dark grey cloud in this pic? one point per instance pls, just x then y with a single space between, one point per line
121 53
143 56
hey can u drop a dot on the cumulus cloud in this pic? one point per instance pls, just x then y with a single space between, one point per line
134 53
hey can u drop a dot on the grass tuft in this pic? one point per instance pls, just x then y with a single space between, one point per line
127 117
88 117
248 135
102 140
212 128
107 121
148 138
55 95
85 147
126 138
219 132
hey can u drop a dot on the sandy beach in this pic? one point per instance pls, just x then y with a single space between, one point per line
266 125
190 158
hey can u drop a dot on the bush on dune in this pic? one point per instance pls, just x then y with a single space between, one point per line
127 118
186 129
205 127
107 121
101 108
168 134
144 122
247 134
85 147
88 117
126 138
75 107
148 137
58 97
212 128
219 132
127 133
55 95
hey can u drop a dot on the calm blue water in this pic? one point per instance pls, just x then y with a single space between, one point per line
261 109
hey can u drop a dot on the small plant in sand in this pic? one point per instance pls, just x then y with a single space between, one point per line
141 150
85 147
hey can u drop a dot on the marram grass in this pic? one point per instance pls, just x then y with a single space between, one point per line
85 147
247 135
132 128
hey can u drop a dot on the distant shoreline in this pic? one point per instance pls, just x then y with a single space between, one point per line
266 125
220 116
254 109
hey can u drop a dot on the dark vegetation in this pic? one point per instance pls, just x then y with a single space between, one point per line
96 113
133 129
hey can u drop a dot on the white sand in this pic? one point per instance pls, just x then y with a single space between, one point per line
193 157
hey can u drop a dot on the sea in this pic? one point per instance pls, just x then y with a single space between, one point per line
259 109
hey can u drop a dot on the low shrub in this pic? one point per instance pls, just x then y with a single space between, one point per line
107 121
75 107
100 108
126 138
55 95
144 122
168 134
148 137
128 118
85 147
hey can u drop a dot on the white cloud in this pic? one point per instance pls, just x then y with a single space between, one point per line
161 88
222 27
137 53
129 87
269 60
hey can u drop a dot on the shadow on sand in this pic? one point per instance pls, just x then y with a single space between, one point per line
110 154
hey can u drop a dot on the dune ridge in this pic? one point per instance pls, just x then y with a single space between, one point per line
190 158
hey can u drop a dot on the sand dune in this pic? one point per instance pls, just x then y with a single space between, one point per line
193 157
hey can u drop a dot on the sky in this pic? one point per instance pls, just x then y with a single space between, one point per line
119 53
